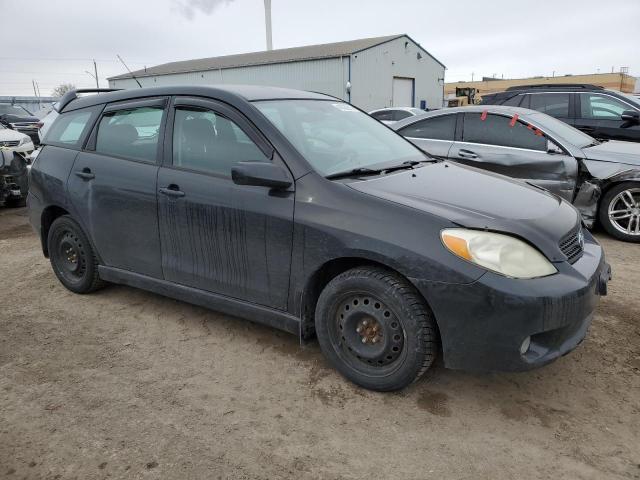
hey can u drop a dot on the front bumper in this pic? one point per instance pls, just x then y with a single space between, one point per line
484 324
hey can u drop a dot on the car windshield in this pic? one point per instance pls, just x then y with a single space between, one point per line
6 109
633 99
562 130
335 137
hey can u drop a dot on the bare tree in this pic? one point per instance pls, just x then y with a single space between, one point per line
60 90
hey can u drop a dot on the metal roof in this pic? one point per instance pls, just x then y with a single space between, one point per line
283 55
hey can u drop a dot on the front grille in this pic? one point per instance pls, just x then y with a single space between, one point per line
572 244
10 143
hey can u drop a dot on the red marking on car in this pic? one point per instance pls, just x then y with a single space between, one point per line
513 120
483 117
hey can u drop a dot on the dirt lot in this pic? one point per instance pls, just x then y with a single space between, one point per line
127 384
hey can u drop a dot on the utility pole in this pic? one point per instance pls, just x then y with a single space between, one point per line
472 76
267 21
35 93
95 69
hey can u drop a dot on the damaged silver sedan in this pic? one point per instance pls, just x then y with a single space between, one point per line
601 178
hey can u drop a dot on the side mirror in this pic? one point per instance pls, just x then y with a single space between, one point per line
260 174
631 116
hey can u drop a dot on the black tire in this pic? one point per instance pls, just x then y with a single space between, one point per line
72 257
612 201
375 329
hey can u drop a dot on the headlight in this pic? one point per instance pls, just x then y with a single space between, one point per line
500 253
24 141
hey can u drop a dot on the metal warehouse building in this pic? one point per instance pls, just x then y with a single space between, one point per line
370 72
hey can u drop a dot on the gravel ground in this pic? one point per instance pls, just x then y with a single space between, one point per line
127 384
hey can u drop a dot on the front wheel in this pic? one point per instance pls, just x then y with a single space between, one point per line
620 211
375 329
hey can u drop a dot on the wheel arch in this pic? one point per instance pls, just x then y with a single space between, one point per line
319 279
48 216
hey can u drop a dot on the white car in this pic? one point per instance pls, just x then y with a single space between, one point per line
46 122
392 115
16 141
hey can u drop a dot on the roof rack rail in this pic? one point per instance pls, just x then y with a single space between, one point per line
556 85
71 95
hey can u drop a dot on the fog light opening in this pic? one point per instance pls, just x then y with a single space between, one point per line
525 345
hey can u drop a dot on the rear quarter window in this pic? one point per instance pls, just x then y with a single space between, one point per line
70 128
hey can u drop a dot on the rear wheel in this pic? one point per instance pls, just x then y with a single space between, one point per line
620 211
375 329
72 257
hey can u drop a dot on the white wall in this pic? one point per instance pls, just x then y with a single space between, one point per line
372 73
326 76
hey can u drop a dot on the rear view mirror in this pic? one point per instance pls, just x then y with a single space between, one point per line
260 174
631 116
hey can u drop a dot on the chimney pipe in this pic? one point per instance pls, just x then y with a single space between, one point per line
267 21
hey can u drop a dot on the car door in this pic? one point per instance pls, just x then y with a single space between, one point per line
112 185
217 236
506 145
434 134
601 117
554 104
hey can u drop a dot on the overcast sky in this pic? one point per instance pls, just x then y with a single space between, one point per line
54 42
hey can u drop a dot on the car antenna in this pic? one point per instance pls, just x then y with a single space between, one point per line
125 66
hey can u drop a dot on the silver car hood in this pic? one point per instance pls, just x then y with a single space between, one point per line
615 151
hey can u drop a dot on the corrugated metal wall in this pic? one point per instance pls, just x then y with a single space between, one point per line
372 73
326 76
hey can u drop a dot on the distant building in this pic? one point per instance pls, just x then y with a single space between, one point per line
37 106
370 72
622 82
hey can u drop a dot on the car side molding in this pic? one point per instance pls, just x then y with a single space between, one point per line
231 306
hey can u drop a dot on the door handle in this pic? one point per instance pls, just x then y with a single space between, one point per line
467 154
85 174
172 191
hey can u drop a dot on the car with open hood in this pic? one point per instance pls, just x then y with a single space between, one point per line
600 177
299 211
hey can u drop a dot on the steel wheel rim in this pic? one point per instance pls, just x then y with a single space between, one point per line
624 212
367 335
71 261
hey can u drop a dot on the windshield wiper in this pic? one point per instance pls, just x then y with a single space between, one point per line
354 172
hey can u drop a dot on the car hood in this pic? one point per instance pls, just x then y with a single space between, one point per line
615 151
8 135
472 198
8 118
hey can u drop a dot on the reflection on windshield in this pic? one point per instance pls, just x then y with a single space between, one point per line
335 137
6 109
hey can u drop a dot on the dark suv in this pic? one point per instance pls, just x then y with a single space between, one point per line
603 114
299 211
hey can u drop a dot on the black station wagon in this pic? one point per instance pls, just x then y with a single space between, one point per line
299 211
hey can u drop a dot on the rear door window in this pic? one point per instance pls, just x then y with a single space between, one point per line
442 127
513 101
501 131
554 104
69 128
131 133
